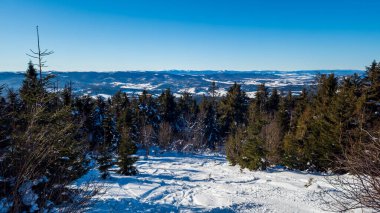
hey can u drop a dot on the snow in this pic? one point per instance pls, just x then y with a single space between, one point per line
251 94
105 96
283 80
174 182
189 90
146 86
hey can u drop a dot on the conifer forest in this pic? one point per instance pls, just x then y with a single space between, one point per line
51 137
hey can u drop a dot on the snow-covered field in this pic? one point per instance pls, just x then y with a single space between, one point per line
207 183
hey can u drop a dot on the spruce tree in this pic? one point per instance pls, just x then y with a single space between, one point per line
233 109
47 150
67 95
126 154
323 135
253 154
274 101
168 108
371 90
127 127
31 90
261 99
107 147
210 122
234 144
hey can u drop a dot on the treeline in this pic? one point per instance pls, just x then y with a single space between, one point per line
313 131
49 138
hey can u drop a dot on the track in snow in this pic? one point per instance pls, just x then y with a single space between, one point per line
206 183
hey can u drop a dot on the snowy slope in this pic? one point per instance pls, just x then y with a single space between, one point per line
206 183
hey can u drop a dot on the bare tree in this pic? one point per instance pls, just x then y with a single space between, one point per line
193 135
40 55
147 136
165 135
361 188
271 134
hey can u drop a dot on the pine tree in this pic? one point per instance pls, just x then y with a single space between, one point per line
372 92
317 132
213 91
127 127
372 79
209 118
233 109
253 154
168 108
261 99
127 150
67 95
274 101
98 115
107 146
31 89
149 121
5 129
234 145
84 107
120 103
46 151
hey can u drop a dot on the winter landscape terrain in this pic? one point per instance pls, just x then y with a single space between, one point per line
175 182
168 106
194 82
188 182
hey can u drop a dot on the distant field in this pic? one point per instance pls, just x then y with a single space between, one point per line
195 82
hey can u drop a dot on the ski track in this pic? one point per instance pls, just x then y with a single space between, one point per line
207 183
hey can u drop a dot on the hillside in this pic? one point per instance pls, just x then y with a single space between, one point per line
174 182
194 82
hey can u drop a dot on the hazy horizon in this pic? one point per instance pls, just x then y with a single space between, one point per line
179 70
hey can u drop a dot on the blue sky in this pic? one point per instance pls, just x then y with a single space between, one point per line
106 35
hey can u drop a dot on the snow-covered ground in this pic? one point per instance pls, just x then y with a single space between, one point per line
207 183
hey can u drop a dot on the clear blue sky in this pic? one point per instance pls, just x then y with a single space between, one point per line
192 34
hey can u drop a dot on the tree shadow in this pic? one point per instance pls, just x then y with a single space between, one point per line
280 169
136 206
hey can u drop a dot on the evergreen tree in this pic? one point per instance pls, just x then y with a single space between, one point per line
46 151
67 95
372 92
149 121
274 101
315 141
234 144
210 122
253 154
233 109
31 89
108 146
127 150
168 108
120 103
213 91
372 80
98 115
261 99
127 127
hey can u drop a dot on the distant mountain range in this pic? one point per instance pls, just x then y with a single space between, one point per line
195 82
